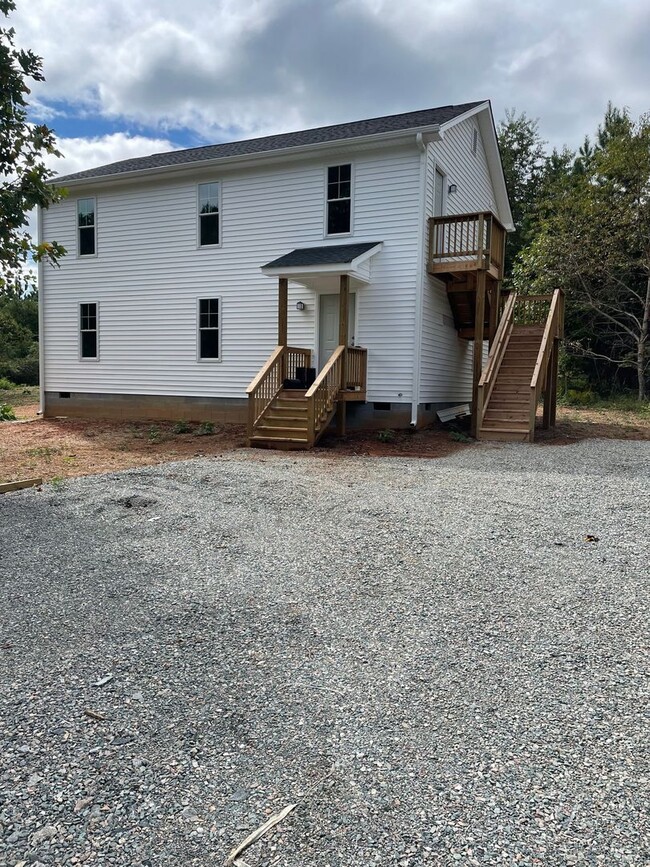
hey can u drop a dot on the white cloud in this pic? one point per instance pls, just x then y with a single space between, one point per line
230 69
85 153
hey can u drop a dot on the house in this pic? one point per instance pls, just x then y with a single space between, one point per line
348 270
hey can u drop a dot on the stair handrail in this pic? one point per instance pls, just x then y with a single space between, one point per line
552 329
322 394
268 383
489 373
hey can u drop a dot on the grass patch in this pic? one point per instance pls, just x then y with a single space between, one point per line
625 403
43 452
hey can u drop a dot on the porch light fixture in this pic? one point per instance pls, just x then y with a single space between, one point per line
452 188
300 305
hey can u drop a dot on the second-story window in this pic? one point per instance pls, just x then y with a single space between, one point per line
339 199
209 234
86 227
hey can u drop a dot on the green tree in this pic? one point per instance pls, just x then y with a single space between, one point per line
592 236
524 164
24 178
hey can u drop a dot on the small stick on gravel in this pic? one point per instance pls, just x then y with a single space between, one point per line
94 715
233 858
255 836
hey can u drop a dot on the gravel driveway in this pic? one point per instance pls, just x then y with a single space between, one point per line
428 657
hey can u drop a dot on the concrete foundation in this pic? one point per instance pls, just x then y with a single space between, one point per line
148 407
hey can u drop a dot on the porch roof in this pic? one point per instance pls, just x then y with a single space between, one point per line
321 261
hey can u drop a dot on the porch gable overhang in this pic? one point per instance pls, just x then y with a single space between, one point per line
309 263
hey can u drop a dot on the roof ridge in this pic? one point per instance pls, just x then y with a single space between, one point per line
265 144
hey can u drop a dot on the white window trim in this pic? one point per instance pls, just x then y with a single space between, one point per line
352 197
199 245
77 227
199 329
87 358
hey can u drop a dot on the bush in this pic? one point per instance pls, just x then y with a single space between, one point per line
205 429
6 384
181 427
24 370
7 413
386 436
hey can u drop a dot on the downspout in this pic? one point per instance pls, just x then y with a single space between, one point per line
41 316
419 283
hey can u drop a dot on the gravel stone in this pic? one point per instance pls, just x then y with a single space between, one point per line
428 657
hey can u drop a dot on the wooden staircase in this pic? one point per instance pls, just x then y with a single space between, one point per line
507 415
521 368
293 418
285 425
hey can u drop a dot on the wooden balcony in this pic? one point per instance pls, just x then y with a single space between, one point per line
466 242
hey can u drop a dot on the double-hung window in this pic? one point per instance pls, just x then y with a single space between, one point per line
209 229
86 227
209 329
339 200
88 331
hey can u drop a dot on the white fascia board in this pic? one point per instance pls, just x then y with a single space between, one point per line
405 137
301 273
367 255
493 155
350 268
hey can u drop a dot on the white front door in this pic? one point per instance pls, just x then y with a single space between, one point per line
328 328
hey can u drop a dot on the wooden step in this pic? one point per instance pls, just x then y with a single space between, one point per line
282 414
291 406
283 423
519 413
285 431
280 444
502 405
503 435
505 424
292 394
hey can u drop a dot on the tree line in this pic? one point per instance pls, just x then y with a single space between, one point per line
582 223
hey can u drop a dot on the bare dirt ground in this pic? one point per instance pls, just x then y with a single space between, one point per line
63 448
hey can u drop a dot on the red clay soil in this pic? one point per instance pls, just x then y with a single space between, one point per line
62 448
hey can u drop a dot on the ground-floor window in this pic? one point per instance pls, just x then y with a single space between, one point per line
209 338
88 331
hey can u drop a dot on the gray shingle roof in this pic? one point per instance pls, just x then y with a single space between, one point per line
336 254
339 132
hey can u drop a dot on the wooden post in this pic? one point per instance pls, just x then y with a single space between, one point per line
555 357
344 295
477 367
283 303
495 299
283 316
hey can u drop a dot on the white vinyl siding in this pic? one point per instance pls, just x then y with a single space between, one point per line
150 275
446 360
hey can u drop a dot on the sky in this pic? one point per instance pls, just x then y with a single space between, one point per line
127 78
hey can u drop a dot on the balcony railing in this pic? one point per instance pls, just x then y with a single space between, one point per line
467 242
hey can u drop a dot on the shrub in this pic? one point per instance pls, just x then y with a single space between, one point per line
386 436
181 427
6 384
205 429
7 413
